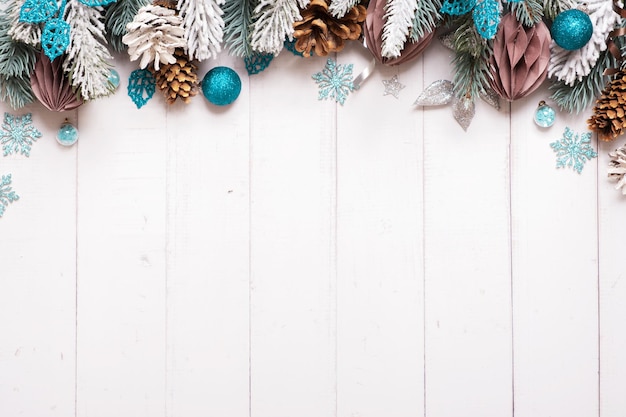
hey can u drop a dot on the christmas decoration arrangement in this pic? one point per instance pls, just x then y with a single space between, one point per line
60 53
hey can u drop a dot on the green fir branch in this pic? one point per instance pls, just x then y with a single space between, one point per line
551 8
238 18
426 18
580 96
471 62
118 15
17 62
528 12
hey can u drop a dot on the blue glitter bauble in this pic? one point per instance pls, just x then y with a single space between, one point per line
545 116
572 29
221 86
67 134
114 79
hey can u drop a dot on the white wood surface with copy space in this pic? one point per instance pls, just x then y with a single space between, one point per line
290 257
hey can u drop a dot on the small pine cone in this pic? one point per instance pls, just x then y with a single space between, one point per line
178 80
609 113
321 32
168 4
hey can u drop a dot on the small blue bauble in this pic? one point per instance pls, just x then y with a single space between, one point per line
67 134
114 79
545 116
571 29
221 86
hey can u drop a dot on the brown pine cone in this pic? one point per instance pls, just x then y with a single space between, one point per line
178 80
321 32
609 113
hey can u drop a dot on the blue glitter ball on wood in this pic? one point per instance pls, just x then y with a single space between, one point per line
67 134
572 29
221 86
545 116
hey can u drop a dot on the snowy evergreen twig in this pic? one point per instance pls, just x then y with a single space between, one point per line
425 19
87 60
339 8
398 17
273 22
28 33
204 27
238 26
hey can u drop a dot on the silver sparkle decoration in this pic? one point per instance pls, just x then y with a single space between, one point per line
463 110
392 86
438 93
490 97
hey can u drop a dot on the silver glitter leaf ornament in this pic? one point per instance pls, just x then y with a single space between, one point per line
490 97
463 110
438 93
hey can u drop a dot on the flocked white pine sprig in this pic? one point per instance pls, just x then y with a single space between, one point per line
27 33
339 8
87 60
204 27
154 35
398 20
572 66
273 22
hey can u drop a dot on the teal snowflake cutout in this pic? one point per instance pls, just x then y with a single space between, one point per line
573 150
7 195
18 134
334 81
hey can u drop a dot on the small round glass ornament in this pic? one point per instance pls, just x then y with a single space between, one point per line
67 134
114 79
545 116
572 29
221 86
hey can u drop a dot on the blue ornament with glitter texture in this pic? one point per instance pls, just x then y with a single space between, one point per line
457 7
221 86
545 116
67 134
141 87
55 38
572 29
257 62
335 81
96 3
114 79
486 17
18 134
37 11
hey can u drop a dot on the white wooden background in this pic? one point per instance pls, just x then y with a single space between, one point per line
289 257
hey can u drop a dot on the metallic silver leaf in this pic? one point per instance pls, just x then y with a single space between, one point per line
463 110
490 97
438 93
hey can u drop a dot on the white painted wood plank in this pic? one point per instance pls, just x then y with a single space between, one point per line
612 288
38 276
121 257
467 258
555 271
208 255
380 306
292 237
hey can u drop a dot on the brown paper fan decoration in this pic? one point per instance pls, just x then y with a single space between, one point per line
373 30
51 86
520 59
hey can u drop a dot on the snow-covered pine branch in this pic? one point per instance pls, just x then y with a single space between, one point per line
87 60
28 33
204 27
339 8
399 16
273 22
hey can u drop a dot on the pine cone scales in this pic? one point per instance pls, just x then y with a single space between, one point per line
321 32
609 113
178 80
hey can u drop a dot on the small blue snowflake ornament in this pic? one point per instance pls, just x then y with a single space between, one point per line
573 150
7 195
18 134
335 81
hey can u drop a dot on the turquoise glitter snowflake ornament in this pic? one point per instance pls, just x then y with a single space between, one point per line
7 195
335 81
18 134
573 150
